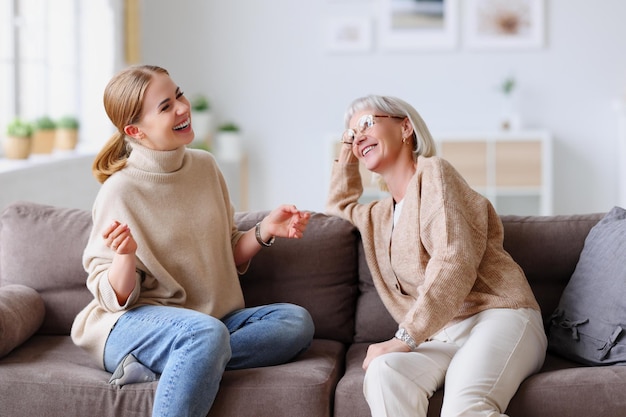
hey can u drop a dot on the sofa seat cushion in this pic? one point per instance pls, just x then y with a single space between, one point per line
21 313
303 388
50 376
562 389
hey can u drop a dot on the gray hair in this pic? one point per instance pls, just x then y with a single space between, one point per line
423 143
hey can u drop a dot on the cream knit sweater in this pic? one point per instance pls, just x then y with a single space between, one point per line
444 260
178 209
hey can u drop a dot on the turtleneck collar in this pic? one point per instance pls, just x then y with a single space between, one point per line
158 162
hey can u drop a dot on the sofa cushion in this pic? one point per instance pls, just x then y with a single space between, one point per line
41 247
534 242
373 322
50 376
318 272
589 324
21 313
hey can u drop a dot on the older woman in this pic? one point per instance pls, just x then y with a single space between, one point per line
466 314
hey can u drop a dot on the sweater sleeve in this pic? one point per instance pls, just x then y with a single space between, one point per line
97 257
453 223
346 188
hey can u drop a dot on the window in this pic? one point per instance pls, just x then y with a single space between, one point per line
56 56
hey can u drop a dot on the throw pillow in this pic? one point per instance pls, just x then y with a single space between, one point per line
41 247
21 313
589 324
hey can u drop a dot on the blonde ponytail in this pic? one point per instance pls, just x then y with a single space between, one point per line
111 158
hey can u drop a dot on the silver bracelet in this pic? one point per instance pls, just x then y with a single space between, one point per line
404 336
257 233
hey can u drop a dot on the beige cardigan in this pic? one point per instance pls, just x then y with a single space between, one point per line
444 260
179 212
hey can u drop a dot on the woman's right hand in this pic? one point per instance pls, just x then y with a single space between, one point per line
119 238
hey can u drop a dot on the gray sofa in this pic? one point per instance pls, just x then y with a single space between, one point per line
42 287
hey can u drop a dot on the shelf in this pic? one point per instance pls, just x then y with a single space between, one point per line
512 169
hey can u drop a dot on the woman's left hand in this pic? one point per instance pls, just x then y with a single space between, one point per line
285 221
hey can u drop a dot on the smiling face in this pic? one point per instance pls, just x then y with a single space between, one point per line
165 121
380 146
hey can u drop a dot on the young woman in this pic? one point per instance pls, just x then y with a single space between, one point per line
164 255
466 314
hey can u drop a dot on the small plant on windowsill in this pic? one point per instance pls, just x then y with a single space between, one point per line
18 142
67 133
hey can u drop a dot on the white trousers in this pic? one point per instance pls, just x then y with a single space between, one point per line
482 361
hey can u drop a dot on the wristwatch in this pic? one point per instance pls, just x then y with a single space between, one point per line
403 335
257 233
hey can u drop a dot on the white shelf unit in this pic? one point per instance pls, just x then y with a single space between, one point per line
513 169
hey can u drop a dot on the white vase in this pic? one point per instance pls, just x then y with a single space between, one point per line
510 118
202 124
228 146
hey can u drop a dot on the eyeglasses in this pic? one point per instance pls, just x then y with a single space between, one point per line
362 126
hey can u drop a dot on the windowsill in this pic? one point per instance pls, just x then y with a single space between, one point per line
11 165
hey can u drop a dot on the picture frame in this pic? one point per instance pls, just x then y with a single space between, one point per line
504 24
348 34
419 24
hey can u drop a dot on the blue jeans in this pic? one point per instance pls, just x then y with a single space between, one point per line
191 350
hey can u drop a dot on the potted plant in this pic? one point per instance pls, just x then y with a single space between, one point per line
44 130
201 120
18 142
66 133
228 142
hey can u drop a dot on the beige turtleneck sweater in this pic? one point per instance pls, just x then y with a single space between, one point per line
444 260
178 209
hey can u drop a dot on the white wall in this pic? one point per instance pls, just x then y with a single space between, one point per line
63 180
264 65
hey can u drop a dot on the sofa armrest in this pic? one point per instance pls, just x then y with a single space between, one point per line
21 313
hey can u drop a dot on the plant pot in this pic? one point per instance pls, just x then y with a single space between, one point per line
17 147
66 139
228 146
202 124
43 141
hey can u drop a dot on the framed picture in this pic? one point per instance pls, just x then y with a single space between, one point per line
418 24
504 24
348 34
